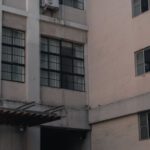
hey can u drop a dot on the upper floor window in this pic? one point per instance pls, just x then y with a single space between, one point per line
140 6
142 60
62 64
73 3
13 55
144 125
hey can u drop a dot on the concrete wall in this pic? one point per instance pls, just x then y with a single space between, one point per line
20 4
118 134
113 38
11 138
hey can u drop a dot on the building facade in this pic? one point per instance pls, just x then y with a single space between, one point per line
118 52
44 61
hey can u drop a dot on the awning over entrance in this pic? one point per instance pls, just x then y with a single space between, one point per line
28 114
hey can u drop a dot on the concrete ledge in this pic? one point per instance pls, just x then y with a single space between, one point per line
63 22
74 118
120 108
14 11
45 18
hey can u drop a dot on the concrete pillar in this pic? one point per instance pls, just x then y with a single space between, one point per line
33 139
33 51
0 46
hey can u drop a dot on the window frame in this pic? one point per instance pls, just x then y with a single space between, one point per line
12 55
133 10
82 2
144 63
147 113
66 73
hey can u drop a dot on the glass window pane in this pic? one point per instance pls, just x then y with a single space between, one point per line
67 65
18 69
144 5
18 51
7 36
54 79
140 57
44 44
18 59
6 67
54 46
17 77
78 51
44 81
79 83
140 69
18 38
54 62
6 75
78 67
136 7
44 77
66 49
44 61
147 60
67 81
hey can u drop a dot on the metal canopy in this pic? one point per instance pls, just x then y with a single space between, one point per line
28 114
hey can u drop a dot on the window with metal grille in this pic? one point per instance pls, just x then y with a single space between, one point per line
62 64
142 60
140 6
144 125
73 3
13 55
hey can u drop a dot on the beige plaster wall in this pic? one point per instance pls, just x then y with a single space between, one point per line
20 4
14 21
63 32
119 134
55 96
113 38
67 14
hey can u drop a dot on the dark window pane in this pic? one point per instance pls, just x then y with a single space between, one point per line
147 60
144 5
144 126
67 49
67 81
66 65
44 61
44 44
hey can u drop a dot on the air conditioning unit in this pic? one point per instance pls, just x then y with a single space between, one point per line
51 4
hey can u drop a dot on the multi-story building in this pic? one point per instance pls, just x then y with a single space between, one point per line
119 65
44 72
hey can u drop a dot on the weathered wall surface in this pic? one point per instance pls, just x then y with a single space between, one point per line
113 38
118 134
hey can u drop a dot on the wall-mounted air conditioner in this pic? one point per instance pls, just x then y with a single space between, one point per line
52 4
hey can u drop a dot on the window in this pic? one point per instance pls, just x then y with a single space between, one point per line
142 60
144 124
73 3
13 55
140 6
62 64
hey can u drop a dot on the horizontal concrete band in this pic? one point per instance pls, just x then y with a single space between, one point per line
46 18
120 108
